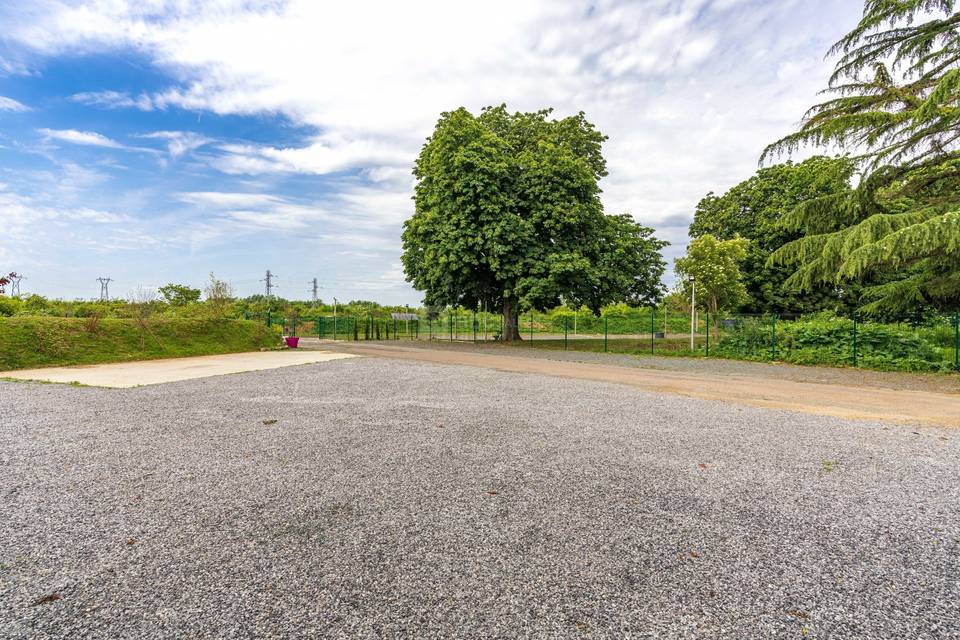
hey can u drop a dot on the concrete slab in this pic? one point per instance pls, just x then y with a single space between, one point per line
135 374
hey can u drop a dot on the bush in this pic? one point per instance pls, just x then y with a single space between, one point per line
828 339
9 306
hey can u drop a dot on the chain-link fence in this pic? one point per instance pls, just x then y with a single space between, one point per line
913 342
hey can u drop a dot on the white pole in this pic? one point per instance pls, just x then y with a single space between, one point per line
693 311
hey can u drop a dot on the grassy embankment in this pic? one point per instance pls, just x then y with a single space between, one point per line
32 341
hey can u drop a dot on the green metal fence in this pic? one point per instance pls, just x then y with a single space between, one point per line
913 342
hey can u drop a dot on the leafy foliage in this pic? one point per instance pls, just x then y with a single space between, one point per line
508 214
179 295
754 209
714 266
828 339
897 105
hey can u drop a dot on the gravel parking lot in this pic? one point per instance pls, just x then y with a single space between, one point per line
378 498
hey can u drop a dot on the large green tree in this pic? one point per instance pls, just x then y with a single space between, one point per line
754 210
896 105
508 214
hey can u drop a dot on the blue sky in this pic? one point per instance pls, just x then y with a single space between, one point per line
158 141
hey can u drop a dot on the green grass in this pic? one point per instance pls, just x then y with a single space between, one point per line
27 342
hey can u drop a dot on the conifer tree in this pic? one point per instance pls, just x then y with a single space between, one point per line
896 109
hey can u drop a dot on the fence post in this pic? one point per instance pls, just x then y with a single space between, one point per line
855 355
653 327
773 337
565 319
474 326
531 325
269 319
956 341
605 333
320 328
708 334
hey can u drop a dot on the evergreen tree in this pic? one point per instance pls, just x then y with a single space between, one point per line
896 105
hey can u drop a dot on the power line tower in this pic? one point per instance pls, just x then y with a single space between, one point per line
15 279
313 288
104 288
269 281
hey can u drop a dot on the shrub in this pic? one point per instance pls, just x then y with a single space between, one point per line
828 339
9 306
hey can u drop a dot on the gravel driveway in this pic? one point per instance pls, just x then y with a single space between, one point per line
847 376
377 498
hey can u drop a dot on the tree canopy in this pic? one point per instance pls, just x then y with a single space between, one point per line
896 106
179 295
754 210
714 267
508 214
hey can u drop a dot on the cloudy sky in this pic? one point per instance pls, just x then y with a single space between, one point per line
155 141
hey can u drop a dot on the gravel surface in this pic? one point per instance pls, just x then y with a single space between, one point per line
937 382
399 499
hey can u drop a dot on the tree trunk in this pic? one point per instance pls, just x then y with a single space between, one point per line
511 322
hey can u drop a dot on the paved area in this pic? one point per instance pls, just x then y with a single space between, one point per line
861 402
135 374
385 498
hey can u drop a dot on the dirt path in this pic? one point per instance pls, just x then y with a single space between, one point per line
845 401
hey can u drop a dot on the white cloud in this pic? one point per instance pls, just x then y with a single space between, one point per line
227 200
114 100
675 83
33 226
349 209
73 136
20 210
179 142
9 104
689 91
324 154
